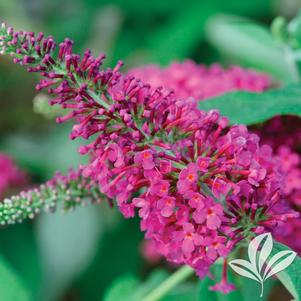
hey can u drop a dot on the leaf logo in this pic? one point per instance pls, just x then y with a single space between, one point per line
260 267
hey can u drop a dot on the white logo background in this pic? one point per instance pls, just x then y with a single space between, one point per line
260 267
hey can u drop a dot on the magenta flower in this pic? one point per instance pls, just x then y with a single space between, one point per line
203 163
116 155
145 158
166 205
195 200
160 188
218 248
211 215
187 178
220 187
10 175
188 238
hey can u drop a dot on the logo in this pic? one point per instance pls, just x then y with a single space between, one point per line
261 265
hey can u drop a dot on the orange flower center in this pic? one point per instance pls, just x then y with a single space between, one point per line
146 155
191 177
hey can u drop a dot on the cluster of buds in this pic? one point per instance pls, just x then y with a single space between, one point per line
70 191
200 186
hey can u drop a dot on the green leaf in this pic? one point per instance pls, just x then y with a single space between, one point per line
291 276
250 108
129 288
204 292
117 254
11 285
185 30
66 244
121 288
254 45
27 262
206 283
251 289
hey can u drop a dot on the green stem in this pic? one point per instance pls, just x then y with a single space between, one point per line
176 278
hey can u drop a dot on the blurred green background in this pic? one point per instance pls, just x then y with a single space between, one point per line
77 256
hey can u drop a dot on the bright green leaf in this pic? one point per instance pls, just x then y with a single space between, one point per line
11 286
250 108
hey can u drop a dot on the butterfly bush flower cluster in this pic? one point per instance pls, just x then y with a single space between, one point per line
199 186
10 175
189 79
284 135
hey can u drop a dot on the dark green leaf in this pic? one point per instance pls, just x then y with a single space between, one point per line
18 246
250 108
